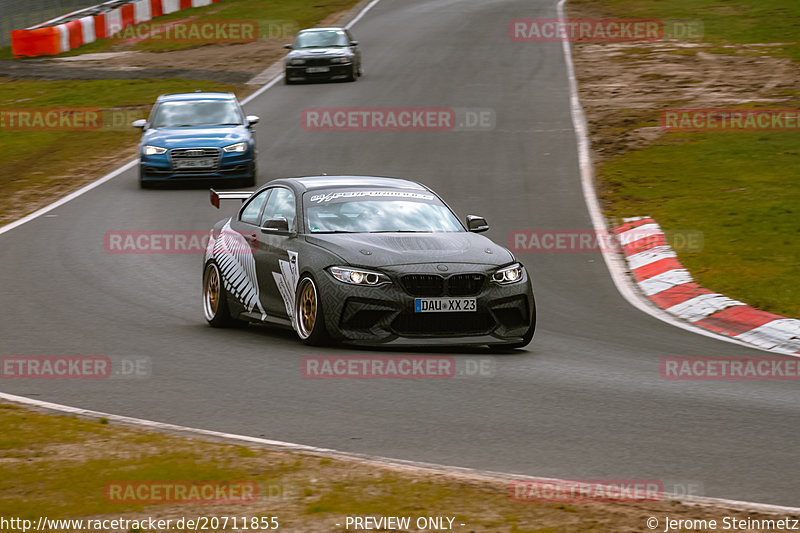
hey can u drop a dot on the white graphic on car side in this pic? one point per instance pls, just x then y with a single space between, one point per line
286 280
235 258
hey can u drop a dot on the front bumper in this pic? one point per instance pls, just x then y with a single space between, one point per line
159 169
336 72
384 315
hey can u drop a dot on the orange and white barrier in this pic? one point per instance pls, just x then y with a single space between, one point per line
87 25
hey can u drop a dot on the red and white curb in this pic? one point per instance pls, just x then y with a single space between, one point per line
663 280
72 30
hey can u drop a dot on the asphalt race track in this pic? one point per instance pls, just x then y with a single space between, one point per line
584 401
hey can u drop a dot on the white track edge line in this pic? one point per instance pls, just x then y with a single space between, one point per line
71 196
413 466
615 264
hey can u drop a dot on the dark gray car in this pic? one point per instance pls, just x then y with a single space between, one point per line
364 260
323 54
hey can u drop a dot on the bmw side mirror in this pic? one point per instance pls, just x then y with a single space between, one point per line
141 123
252 119
353 43
476 224
287 46
275 225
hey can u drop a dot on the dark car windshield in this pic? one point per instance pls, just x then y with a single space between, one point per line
321 39
377 211
196 113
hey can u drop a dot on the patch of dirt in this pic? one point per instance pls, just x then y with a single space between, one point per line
38 193
623 85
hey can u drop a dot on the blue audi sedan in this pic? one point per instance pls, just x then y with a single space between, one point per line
197 137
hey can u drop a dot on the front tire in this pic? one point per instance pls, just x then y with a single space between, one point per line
309 320
215 299
142 184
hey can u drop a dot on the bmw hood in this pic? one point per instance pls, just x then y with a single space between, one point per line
210 136
390 249
317 52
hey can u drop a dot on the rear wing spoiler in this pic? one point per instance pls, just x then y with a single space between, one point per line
229 195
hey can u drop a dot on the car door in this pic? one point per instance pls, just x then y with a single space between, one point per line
237 254
277 252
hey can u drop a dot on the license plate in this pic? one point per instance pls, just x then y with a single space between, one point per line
313 70
444 305
194 163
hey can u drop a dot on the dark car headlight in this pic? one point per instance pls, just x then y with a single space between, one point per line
297 61
344 59
359 276
237 148
508 275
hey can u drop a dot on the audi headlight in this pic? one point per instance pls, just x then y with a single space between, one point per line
508 275
154 150
343 59
357 276
236 148
298 62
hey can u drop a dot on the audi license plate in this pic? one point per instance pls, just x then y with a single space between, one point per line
444 305
194 163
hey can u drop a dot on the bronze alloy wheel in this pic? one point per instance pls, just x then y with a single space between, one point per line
211 291
307 308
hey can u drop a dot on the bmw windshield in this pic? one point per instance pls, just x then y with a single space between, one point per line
188 113
377 211
321 39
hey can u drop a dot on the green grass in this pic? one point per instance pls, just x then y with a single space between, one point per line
742 190
724 21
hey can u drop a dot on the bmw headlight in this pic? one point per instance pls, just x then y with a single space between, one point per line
357 276
236 148
508 275
343 59
154 150
298 62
